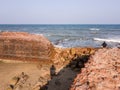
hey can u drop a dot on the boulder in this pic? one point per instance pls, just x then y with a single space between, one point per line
25 46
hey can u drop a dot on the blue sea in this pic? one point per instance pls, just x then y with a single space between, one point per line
77 35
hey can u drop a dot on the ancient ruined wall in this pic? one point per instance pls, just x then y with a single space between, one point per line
25 45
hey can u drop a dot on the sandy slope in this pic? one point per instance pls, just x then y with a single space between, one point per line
61 81
9 70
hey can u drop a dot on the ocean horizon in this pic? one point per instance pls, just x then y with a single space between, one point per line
72 35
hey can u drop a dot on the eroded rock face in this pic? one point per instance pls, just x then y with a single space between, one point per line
64 56
101 72
25 46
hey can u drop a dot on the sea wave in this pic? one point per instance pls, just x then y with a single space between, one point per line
57 35
107 40
39 34
94 29
67 40
58 46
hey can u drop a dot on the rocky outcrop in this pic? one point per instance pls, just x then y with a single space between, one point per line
29 47
25 46
101 72
64 56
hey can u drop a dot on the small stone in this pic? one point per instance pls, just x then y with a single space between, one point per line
9 88
37 86
14 81
72 51
92 51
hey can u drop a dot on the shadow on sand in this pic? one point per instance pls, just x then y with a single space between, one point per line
64 78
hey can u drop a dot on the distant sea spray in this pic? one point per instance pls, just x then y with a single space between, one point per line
94 29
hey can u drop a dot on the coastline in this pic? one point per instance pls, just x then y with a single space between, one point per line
68 63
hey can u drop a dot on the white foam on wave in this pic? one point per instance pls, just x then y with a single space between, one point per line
108 40
94 29
59 46
39 34
49 35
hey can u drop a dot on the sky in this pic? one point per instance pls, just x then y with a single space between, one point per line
59 11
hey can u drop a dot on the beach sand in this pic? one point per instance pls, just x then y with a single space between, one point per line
61 81
10 70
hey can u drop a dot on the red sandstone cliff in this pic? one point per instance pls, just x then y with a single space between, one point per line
101 72
24 46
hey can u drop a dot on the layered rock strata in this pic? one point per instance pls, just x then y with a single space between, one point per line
25 46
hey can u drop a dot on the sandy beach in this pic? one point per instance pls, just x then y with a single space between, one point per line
10 70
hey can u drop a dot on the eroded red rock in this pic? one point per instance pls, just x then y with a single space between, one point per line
102 72
25 46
